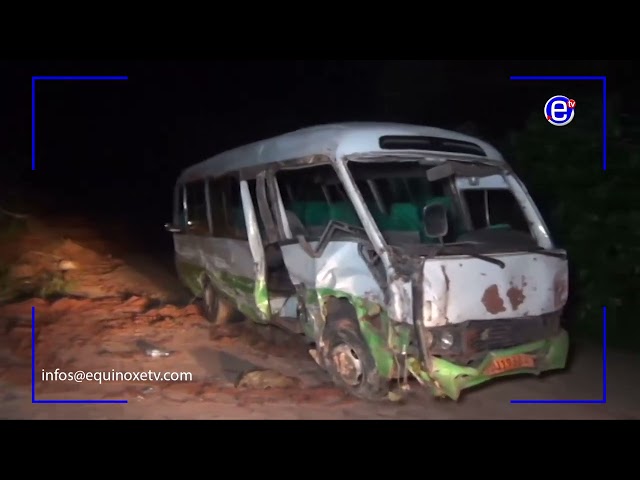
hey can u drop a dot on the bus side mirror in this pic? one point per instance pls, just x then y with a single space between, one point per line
435 220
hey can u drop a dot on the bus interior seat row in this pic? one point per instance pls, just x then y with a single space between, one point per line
403 224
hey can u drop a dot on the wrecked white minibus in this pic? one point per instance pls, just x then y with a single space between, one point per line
397 250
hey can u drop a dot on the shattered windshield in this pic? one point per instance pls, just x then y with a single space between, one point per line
397 192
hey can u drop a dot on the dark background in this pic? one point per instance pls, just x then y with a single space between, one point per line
118 145
111 150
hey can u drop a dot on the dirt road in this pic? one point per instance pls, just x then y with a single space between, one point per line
115 314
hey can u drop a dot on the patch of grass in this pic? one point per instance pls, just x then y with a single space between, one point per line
54 285
49 286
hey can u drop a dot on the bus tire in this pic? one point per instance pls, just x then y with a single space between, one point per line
217 310
349 361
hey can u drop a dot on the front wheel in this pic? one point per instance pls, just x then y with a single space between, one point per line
349 362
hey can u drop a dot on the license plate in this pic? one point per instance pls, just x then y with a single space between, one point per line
505 364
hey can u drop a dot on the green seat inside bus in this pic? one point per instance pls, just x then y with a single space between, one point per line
314 214
318 214
407 217
344 212
404 217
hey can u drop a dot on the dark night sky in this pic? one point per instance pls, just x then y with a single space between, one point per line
119 145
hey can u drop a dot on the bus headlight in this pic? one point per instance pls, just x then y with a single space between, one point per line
446 340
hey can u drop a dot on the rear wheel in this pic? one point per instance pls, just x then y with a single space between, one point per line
349 361
217 310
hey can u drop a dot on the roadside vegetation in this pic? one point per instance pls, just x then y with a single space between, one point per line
25 273
591 212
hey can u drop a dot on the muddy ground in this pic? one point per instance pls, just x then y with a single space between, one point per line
108 309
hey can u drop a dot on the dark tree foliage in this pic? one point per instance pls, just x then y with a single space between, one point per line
592 213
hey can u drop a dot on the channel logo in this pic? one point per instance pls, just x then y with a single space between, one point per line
559 110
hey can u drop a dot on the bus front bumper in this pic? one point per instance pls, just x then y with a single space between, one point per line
446 378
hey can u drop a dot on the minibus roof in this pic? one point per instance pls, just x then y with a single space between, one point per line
340 140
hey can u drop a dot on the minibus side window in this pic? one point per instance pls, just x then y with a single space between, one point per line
226 208
197 222
216 202
218 198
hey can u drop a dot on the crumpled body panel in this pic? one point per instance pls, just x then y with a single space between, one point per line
340 268
464 288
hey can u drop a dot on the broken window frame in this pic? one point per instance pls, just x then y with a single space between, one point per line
487 208
273 204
